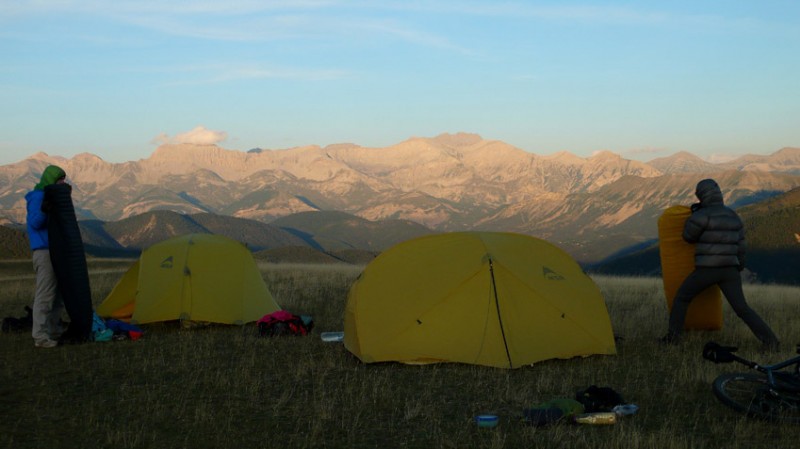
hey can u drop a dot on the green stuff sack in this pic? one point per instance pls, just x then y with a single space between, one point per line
551 412
677 262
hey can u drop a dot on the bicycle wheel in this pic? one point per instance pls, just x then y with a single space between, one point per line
752 394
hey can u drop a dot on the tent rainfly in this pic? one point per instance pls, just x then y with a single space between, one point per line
195 277
487 298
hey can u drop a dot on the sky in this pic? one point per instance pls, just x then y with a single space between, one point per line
643 79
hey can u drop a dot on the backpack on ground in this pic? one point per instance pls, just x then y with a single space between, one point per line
13 324
282 322
599 399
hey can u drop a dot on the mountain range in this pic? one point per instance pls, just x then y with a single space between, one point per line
592 207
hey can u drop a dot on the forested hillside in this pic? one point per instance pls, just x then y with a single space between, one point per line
773 250
775 223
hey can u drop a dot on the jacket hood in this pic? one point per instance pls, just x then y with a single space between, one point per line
50 175
708 192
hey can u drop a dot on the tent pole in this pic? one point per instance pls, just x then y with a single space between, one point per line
499 318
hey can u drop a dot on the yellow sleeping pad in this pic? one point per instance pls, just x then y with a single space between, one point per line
677 262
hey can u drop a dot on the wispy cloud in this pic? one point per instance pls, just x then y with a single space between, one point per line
578 12
174 7
183 9
299 25
243 20
200 135
522 10
200 74
343 20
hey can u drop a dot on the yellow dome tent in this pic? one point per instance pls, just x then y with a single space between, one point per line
195 277
486 298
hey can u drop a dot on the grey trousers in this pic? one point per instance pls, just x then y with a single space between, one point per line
47 302
729 281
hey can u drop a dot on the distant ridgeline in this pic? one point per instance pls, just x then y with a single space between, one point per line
311 237
592 207
347 197
773 246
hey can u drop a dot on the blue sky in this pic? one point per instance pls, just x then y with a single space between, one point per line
643 79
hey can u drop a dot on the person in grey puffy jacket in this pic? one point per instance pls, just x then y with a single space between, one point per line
718 235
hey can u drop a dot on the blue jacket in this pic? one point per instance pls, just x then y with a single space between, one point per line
37 220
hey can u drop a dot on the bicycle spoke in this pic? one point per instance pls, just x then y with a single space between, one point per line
753 395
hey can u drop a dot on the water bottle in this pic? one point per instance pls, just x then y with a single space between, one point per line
332 336
596 418
625 409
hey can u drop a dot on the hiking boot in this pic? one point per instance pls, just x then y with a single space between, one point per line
46 343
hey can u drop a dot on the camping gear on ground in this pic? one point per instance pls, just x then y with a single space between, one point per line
594 405
99 330
21 324
487 420
487 298
625 409
540 417
606 417
332 336
123 330
551 412
598 399
69 262
677 262
196 277
596 418
282 322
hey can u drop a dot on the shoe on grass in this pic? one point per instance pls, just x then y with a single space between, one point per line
46 343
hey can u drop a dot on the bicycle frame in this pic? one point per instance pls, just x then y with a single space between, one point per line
771 393
725 354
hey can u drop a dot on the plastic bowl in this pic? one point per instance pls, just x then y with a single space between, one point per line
486 420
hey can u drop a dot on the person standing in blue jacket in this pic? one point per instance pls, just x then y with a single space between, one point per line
47 302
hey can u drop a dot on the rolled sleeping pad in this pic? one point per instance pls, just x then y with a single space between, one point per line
677 262
69 261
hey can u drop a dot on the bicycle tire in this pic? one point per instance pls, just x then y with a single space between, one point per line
751 394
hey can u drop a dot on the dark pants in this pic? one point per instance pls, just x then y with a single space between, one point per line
730 282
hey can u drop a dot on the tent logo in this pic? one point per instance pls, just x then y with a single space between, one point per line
551 275
167 263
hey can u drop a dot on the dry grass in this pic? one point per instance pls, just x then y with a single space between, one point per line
225 387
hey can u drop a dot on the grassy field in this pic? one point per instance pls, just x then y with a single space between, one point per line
225 387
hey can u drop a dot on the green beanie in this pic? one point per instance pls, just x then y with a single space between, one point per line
51 174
